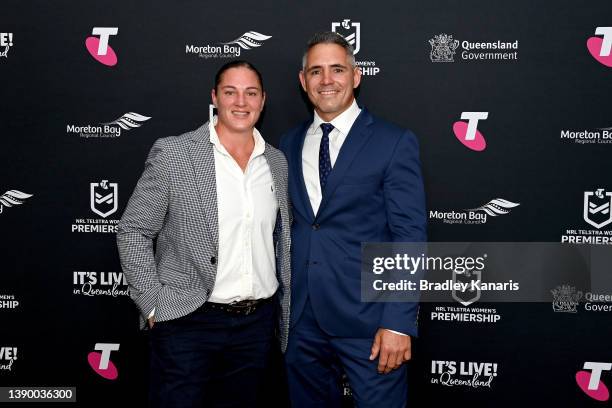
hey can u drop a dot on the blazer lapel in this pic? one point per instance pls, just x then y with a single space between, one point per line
279 188
355 140
298 174
203 161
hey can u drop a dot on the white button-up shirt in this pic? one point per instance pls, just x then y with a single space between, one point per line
247 209
310 153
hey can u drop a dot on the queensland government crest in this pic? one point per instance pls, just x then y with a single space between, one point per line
565 299
351 31
443 48
103 198
597 208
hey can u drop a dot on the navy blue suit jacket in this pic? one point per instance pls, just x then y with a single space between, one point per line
373 194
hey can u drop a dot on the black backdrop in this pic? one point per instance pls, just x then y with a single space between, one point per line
49 82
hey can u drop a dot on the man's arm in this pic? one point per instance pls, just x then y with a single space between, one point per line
141 222
406 216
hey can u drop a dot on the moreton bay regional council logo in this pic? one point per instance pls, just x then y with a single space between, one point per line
443 48
350 31
103 198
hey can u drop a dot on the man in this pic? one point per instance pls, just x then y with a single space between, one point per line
216 201
353 178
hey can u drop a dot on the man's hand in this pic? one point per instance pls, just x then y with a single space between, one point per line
394 350
151 322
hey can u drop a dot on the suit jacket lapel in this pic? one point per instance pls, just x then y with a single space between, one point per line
355 140
203 161
303 202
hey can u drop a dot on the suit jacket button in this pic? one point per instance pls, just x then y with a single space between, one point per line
213 260
315 227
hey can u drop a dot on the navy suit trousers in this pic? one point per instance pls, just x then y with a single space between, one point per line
315 362
210 358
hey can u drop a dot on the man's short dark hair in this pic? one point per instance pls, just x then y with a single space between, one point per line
329 37
237 64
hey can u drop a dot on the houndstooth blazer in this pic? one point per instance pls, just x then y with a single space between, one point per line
175 201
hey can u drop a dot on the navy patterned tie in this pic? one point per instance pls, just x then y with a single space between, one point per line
324 159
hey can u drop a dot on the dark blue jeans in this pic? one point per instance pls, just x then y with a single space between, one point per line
210 358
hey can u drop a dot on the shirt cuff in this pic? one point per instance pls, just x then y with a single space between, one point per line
392 331
152 313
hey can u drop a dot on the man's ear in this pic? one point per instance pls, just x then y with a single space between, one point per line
303 80
356 77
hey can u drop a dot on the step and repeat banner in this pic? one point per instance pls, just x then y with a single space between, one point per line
510 102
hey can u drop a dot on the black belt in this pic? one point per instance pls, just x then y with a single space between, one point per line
244 307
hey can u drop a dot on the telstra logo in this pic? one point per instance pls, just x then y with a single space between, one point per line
600 47
590 382
99 48
467 132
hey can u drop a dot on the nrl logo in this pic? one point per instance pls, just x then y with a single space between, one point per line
597 208
443 48
103 198
350 31
565 299
470 295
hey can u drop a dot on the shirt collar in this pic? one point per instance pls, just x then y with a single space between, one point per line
342 122
260 143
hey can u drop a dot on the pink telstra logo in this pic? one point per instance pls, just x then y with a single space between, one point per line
590 382
600 47
468 134
99 48
100 362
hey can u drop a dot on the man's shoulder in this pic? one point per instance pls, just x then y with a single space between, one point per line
386 129
387 126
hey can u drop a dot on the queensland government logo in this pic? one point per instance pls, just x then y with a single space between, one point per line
590 381
600 47
443 48
13 197
493 208
351 31
565 299
109 130
6 42
596 211
231 49
98 46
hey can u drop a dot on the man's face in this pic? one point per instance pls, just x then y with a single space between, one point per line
239 100
329 79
